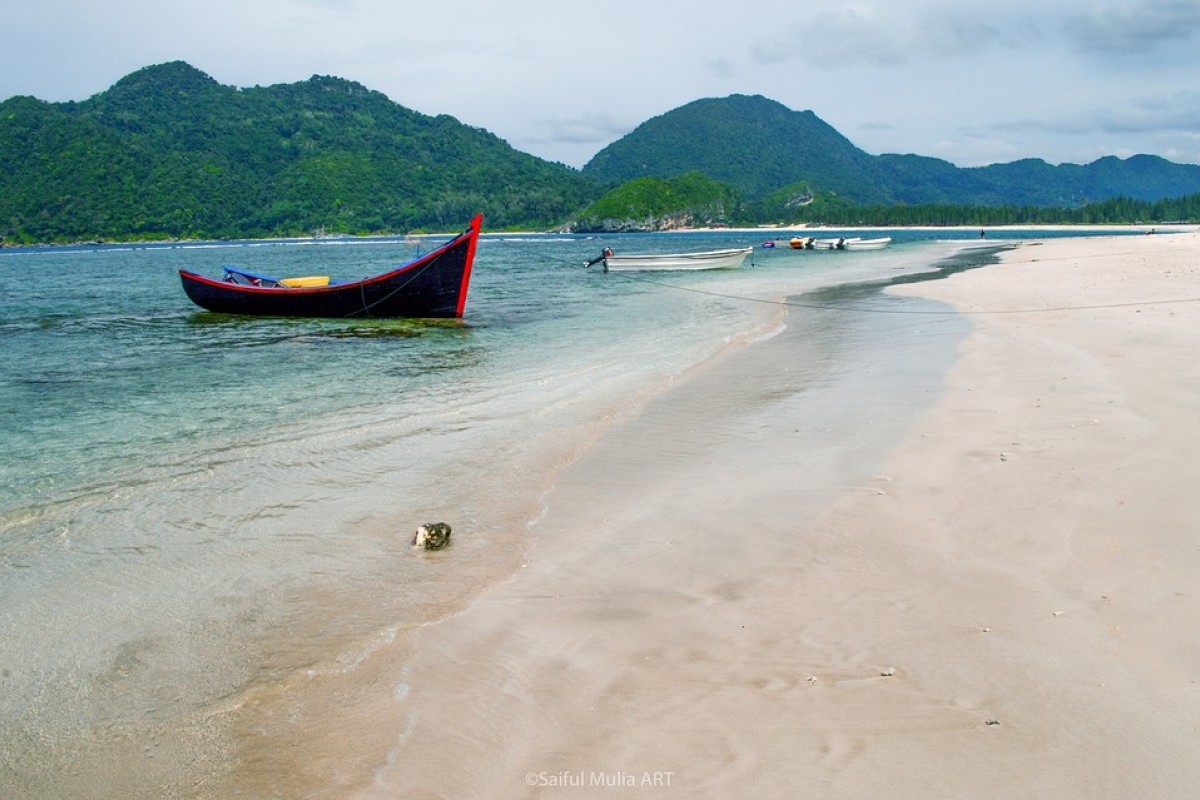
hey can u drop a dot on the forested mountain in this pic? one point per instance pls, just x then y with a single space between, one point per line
167 151
760 146
755 144
687 201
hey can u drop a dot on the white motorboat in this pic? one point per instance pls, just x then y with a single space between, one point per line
708 259
867 244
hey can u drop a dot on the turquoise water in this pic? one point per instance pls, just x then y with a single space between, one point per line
195 509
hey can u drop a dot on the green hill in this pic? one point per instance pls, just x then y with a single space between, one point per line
755 144
761 146
169 152
644 204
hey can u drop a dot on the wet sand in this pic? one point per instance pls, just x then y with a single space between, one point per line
1003 605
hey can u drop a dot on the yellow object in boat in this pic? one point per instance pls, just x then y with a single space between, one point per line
308 280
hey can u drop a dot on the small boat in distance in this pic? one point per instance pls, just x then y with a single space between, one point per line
709 259
840 243
432 286
867 244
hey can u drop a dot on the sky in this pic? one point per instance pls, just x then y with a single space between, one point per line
991 81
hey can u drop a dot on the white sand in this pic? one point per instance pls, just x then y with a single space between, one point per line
1008 609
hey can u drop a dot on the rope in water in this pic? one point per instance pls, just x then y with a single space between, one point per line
927 312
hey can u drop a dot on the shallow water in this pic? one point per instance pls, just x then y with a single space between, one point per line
199 513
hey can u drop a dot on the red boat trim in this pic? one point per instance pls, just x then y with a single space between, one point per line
473 232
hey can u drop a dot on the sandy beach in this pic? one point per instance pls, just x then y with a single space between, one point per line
1003 605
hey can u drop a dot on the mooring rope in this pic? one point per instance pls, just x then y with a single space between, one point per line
362 292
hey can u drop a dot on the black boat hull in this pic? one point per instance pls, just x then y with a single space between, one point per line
433 286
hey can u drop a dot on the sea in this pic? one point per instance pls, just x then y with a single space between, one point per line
199 512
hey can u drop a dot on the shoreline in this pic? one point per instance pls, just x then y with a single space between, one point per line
1098 228
993 597
398 238
600 578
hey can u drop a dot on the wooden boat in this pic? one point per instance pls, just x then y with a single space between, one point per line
433 285
709 259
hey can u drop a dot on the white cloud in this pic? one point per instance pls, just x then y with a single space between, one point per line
1134 28
873 36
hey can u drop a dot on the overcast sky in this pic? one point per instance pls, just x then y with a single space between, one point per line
979 83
